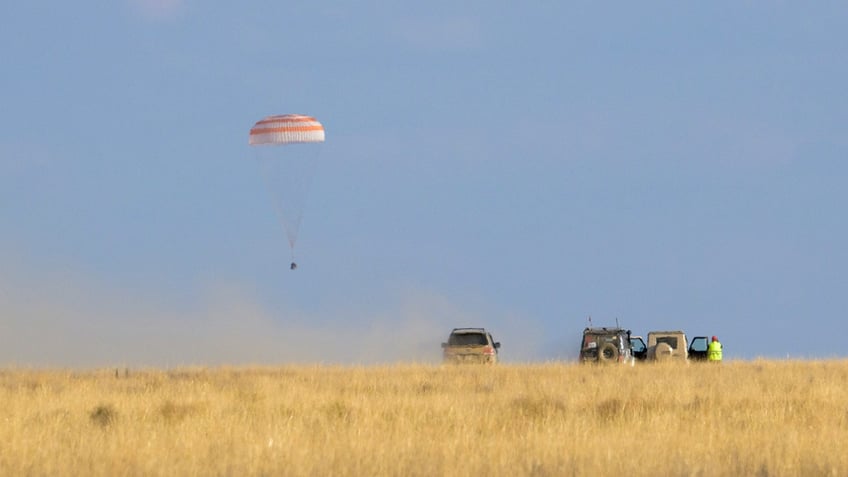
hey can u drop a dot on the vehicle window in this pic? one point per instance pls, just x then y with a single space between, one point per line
669 340
604 338
637 345
699 345
467 339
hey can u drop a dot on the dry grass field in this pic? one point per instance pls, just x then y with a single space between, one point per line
760 418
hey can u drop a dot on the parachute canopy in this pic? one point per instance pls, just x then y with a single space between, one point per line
286 129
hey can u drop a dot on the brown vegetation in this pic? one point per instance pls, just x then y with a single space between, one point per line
761 418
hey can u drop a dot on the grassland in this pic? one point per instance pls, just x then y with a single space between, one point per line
760 418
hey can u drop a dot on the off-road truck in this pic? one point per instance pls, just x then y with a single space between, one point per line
605 345
470 345
664 345
667 345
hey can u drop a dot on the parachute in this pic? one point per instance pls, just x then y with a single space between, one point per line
286 129
287 147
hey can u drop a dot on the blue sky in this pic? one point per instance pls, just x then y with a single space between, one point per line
519 167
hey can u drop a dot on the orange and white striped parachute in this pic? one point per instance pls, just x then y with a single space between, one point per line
287 147
286 129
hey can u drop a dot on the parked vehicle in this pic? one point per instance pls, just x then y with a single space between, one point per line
606 345
671 345
667 345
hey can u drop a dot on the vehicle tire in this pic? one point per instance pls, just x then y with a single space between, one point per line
663 352
608 353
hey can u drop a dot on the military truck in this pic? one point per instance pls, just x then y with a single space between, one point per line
606 346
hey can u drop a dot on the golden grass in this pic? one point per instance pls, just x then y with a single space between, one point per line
761 418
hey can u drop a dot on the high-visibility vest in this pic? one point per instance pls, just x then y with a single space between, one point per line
714 351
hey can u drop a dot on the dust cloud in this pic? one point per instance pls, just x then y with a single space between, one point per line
66 320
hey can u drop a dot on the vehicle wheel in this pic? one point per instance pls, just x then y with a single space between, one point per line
663 352
608 353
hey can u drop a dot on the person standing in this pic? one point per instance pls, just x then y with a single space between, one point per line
714 351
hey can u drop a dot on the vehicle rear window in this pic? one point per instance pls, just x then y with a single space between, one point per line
588 339
669 340
467 339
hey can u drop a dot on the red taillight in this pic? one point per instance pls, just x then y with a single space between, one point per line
489 351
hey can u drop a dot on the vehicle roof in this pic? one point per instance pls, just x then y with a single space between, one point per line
605 330
468 330
666 332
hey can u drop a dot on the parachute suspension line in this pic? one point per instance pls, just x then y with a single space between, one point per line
293 239
295 226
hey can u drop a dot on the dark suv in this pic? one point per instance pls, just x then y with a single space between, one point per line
606 345
470 345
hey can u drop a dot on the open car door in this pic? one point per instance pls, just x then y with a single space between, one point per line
698 348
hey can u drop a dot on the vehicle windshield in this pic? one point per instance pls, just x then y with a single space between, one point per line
467 339
638 345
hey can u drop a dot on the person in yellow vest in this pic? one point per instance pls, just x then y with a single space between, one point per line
714 351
